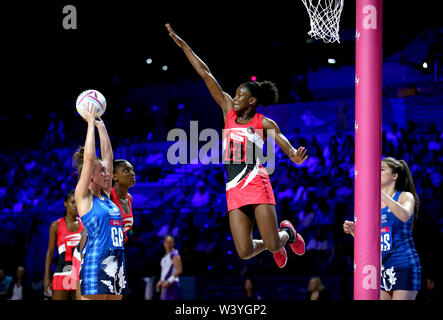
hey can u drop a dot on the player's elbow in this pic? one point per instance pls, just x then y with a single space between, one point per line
205 74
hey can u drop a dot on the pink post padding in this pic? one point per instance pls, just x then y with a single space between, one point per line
368 106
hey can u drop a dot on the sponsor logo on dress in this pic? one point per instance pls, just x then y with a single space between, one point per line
388 278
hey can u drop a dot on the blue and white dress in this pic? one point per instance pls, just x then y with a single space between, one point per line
103 268
400 268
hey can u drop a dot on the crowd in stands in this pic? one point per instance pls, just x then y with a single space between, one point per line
316 196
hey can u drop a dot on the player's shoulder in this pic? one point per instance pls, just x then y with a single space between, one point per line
229 114
406 196
268 123
55 223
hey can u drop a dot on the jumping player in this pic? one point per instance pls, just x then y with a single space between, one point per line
102 273
401 270
249 192
65 233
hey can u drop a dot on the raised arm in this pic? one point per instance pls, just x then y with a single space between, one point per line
271 129
222 98
83 197
106 151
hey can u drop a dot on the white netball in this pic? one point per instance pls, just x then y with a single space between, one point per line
97 99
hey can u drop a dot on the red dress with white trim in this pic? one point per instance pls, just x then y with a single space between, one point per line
247 181
66 243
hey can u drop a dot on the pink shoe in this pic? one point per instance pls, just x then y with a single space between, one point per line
280 257
298 246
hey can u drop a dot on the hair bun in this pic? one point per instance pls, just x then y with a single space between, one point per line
77 159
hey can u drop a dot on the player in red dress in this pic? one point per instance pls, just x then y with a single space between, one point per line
65 233
123 178
248 189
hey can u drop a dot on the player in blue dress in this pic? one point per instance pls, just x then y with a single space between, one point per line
102 272
400 269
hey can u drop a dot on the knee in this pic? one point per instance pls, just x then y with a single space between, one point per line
244 253
273 246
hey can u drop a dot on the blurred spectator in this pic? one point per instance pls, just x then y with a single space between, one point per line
323 214
342 262
183 199
285 192
345 191
306 218
207 244
312 195
5 282
201 196
19 289
168 228
320 249
171 269
430 292
250 290
316 290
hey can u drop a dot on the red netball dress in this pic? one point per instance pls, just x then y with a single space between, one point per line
66 242
127 217
247 180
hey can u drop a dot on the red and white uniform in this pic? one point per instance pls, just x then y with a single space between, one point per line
66 243
127 217
247 181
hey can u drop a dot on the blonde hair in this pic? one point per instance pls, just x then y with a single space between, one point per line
77 160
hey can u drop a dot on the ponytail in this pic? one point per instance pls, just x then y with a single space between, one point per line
408 185
266 92
404 181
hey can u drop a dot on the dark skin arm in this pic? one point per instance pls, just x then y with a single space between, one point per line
271 129
222 98
50 255
227 103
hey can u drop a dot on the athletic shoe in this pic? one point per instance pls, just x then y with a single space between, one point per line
298 246
280 257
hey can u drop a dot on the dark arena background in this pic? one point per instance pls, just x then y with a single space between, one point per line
123 50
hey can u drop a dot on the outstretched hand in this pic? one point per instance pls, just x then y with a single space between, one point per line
99 123
89 112
298 156
174 36
348 227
